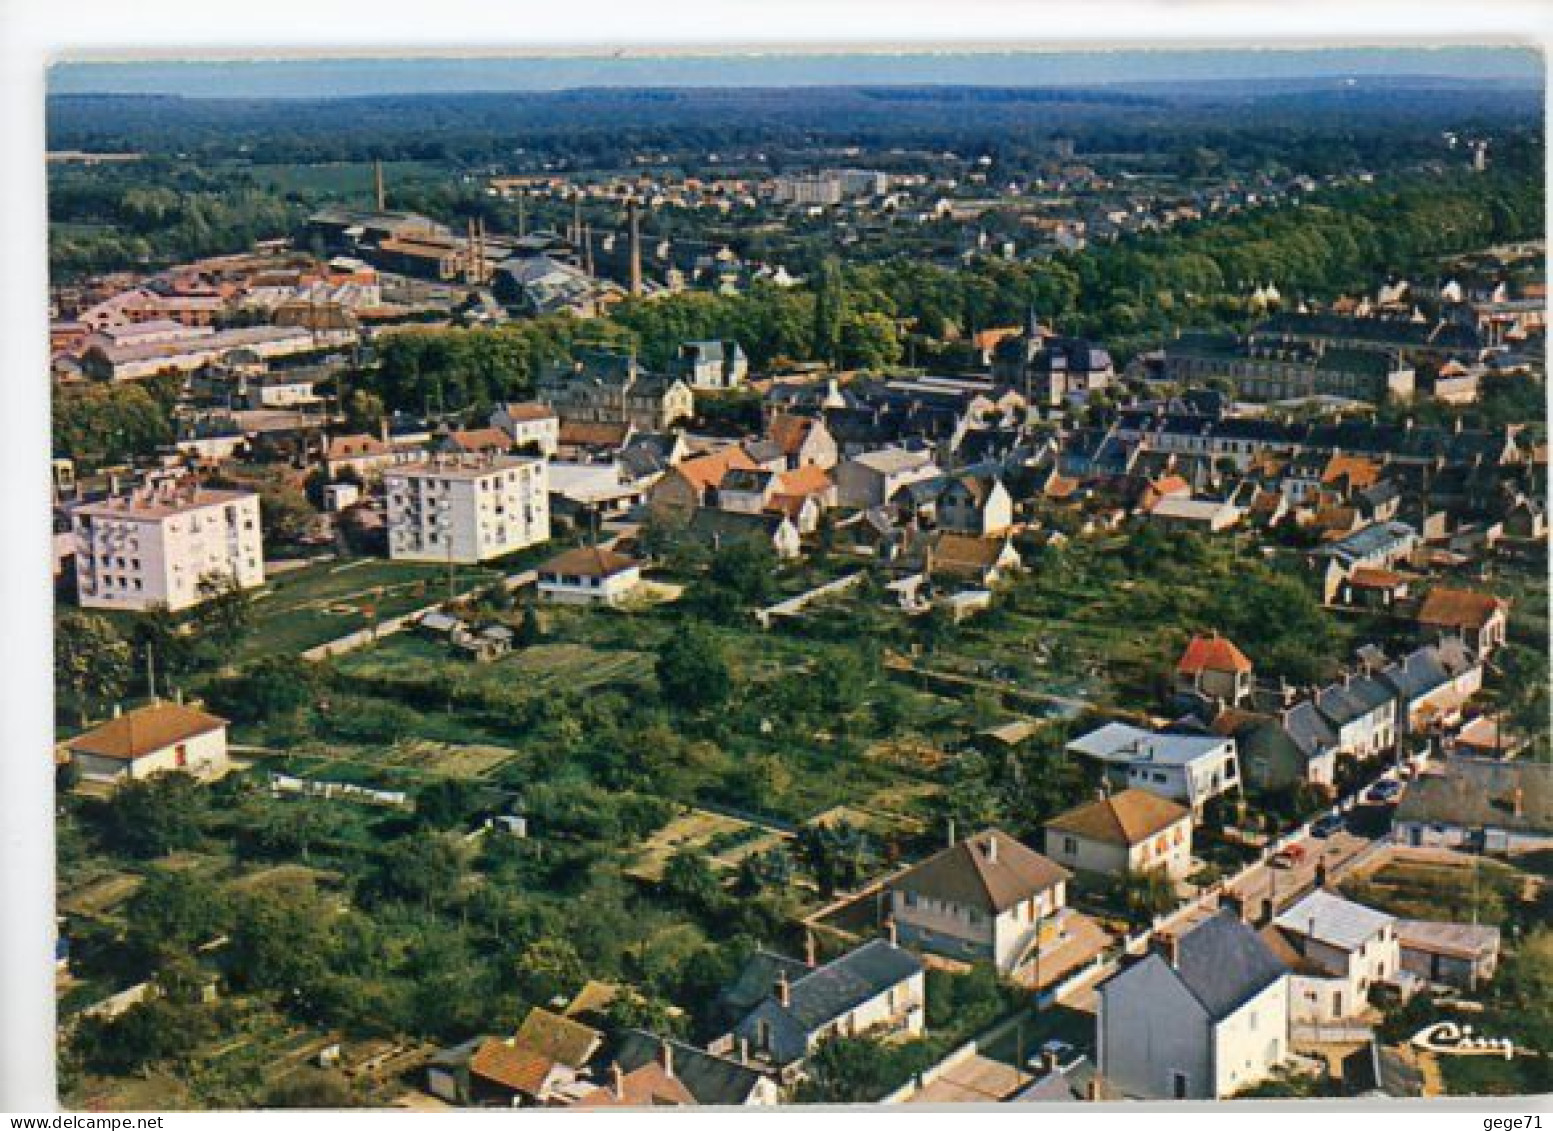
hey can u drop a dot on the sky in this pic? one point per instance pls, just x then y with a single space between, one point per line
341 77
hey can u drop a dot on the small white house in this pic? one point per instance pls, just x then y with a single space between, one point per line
532 426
1205 1019
1189 768
1133 831
1339 950
588 576
338 496
157 738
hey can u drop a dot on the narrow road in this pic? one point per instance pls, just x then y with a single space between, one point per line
364 636
900 664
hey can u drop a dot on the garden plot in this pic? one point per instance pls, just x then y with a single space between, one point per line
726 840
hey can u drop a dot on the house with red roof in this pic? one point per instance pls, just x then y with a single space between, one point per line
157 738
1213 667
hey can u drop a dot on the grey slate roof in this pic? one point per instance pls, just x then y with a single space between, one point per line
826 993
1309 730
1225 964
1421 671
709 1078
755 982
1345 701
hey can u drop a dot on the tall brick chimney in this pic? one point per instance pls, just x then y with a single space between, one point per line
633 212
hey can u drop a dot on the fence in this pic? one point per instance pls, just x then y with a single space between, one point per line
955 1057
795 605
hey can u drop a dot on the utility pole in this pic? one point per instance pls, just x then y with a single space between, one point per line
150 672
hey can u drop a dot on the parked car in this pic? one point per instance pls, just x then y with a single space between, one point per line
1326 826
1288 858
1385 792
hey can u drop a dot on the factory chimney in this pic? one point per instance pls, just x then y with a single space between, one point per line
377 180
633 211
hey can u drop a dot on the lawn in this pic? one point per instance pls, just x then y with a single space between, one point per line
304 608
411 658
1456 889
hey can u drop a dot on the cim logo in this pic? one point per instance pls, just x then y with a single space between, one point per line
1451 1039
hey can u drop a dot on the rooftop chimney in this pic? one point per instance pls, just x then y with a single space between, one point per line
784 991
809 949
618 1080
992 848
666 1054
892 931
744 1050
1049 1059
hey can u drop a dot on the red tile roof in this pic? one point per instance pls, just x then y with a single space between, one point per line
1213 653
704 472
146 730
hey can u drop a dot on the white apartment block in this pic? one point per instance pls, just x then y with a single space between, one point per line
819 189
466 509
155 545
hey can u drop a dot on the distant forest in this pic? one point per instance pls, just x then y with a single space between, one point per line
1318 127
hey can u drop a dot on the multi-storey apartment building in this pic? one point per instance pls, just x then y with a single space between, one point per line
466 509
157 544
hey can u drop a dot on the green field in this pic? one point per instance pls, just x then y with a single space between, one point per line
302 609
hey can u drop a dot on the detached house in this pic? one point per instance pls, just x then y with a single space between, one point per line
1192 769
713 364
961 557
157 738
985 898
1204 1020
588 575
1478 618
531 426
876 988
1214 668
1134 831
1338 951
